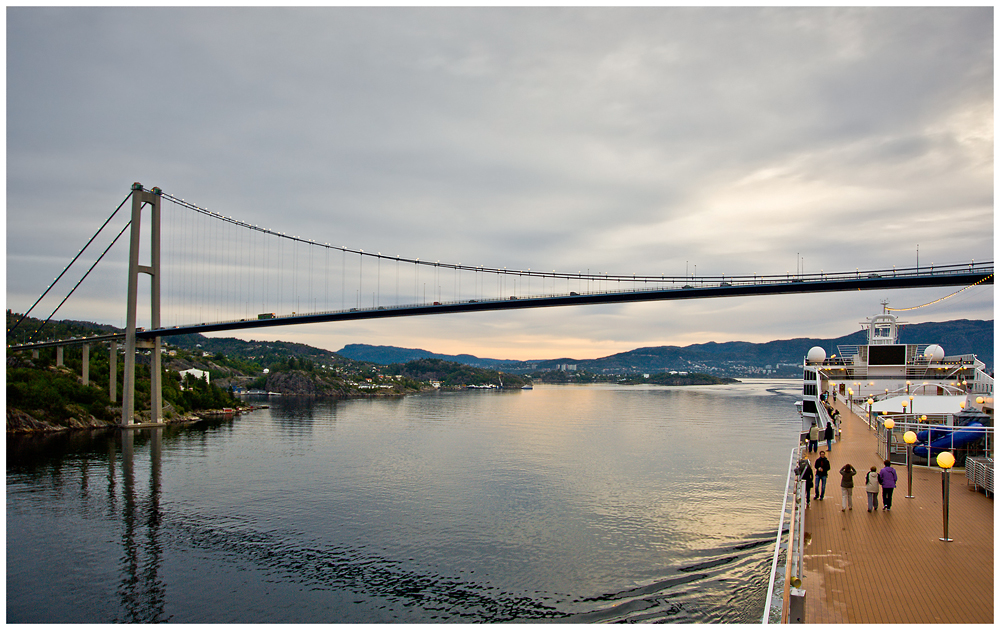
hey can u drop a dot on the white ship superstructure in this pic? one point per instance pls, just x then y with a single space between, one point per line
918 386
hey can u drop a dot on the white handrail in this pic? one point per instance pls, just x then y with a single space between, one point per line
792 460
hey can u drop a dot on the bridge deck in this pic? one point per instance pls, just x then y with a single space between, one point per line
890 567
733 286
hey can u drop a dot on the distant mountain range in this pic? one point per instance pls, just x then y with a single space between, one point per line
387 355
733 358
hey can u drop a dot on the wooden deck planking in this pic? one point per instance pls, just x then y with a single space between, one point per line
890 567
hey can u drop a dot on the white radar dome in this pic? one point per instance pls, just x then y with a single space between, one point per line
934 352
816 355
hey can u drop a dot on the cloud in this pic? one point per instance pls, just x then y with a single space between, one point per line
645 140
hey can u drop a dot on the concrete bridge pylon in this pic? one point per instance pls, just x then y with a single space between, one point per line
141 197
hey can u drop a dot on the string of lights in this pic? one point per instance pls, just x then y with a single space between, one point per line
913 308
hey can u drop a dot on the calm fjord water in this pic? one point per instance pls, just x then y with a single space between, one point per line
565 503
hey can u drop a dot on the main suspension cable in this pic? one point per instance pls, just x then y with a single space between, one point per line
80 253
108 248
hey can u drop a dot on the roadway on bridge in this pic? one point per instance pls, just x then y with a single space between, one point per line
981 273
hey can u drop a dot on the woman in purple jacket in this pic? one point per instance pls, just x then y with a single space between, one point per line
887 479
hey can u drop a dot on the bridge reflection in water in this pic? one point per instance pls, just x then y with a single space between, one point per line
116 511
141 591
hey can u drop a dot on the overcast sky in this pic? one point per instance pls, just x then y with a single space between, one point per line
645 141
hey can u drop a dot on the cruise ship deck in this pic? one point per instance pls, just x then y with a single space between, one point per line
891 567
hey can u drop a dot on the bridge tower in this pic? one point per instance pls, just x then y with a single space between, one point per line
141 197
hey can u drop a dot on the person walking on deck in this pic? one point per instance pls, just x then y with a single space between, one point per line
887 478
828 436
847 487
871 487
807 476
822 470
814 438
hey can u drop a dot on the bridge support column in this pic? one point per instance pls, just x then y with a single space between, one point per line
86 364
34 354
59 355
113 372
140 197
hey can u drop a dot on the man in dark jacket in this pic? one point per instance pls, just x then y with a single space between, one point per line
822 469
828 436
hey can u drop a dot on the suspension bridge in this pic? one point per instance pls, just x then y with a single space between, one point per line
210 272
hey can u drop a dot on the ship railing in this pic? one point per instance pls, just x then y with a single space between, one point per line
979 473
860 409
823 417
848 352
792 596
982 383
984 446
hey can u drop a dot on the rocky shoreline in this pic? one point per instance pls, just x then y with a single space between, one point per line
21 422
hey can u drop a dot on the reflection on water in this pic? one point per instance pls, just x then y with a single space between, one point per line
131 502
564 503
140 589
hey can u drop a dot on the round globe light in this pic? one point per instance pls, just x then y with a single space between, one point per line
889 424
945 460
979 400
910 437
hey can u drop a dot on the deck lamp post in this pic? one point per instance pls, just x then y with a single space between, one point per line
870 403
911 404
945 460
910 438
889 424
